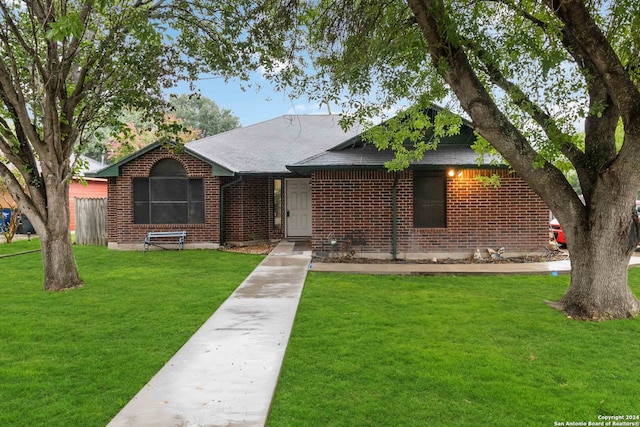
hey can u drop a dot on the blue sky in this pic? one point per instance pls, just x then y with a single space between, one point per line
252 105
260 102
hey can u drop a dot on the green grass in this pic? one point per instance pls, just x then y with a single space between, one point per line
443 351
19 246
75 358
365 350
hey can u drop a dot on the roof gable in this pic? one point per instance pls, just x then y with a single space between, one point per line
263 148
114 169
355 153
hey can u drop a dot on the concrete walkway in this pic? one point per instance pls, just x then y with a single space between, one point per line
226 374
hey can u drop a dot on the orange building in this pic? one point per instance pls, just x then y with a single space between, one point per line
86 188
81 187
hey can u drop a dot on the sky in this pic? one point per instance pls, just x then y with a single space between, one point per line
260 102
251 105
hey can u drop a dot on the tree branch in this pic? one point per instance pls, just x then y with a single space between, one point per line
14 100
32 206
15 31
70 53
526 104
600 125
453 64
586 37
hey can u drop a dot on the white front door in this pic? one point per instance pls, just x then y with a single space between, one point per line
298 209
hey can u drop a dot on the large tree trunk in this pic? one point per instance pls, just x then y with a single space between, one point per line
600 257
599 289
598 229
60 270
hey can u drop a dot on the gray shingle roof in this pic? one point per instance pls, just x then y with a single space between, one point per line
92 165
367 156
304 143
269 146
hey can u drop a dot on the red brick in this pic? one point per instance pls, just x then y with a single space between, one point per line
478 216
248 204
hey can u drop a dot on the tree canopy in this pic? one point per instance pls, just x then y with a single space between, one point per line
137 134
200 112
188 117
69 67
528 74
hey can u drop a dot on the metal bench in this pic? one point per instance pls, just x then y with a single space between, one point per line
157 238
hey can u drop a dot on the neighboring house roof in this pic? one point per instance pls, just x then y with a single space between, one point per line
91 166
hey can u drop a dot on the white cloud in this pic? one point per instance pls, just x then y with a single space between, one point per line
277 67
312 108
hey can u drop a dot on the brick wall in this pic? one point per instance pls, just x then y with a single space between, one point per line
358 200
478 216
249 211
121 229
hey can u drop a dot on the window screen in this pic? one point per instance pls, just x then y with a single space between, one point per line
168 167
429 200
168 196
169 189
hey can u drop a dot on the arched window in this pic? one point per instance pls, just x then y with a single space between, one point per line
168 196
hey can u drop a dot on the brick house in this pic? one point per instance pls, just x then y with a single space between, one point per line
303 177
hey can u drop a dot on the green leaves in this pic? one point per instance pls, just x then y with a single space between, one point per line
412 132
203 113
69 25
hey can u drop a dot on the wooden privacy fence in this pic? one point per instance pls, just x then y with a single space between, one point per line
91 221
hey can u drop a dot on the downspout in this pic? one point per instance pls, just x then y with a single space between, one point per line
224 187
394 214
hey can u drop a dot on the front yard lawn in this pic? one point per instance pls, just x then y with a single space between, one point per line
76 358
365 350
452 351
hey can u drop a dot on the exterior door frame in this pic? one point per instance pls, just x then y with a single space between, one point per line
298 221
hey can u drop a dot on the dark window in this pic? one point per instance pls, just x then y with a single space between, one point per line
141 201
168 196
277 204
429 200
168 167
169 189
196 201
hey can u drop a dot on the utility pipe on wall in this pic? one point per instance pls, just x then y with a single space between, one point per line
394 214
